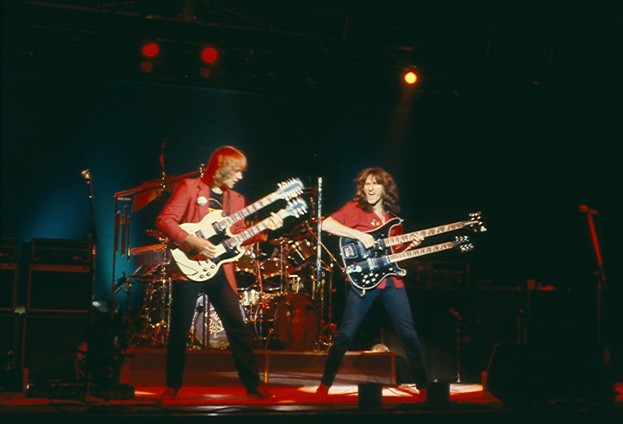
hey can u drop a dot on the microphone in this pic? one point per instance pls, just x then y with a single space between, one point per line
586 209
86 174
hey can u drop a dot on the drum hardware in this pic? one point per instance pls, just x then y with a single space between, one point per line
157 234
155 313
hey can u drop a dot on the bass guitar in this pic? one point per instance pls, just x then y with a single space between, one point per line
367 274
353 251
197 267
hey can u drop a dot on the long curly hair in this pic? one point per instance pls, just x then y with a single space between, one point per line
224 162
390 192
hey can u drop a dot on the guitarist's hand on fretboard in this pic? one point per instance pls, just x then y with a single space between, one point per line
367 240
416 240
274 222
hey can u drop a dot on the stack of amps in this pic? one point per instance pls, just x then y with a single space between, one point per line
10 324
46 306
438 274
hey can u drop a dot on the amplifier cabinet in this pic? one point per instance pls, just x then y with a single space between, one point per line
59 288
61 251
52 346
11 326
8 286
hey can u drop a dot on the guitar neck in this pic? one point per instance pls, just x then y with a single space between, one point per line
409 254
237 239
221 226
406 238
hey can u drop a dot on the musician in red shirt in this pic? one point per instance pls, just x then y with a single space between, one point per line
375 203
190 202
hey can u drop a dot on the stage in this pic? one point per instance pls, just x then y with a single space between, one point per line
465 403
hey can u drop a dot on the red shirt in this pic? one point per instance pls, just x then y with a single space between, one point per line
353 216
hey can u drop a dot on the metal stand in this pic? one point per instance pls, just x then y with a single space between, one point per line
459 320
601 277
156 310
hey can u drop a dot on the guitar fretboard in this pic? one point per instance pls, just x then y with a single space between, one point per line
221 226
406 238
420 252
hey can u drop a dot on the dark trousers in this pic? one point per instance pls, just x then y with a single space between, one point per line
227 306
396 304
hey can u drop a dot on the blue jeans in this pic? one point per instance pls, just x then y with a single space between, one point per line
396 304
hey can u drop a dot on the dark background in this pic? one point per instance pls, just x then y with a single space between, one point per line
518 115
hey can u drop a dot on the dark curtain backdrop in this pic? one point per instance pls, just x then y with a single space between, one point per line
526 156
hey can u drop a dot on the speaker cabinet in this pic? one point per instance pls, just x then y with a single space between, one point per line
522 373
52 343
8 286
59 288
10 340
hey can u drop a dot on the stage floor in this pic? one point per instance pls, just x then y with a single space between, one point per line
465 403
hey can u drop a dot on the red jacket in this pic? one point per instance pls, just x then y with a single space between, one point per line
184 207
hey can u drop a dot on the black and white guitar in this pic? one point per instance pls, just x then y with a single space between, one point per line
197 267
354 253
367 274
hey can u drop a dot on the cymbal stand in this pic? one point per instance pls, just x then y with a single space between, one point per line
206 333
156 311
328 311
258 315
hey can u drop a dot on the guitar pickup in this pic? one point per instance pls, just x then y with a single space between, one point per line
350 251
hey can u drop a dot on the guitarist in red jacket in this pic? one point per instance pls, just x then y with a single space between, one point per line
375 203
190 202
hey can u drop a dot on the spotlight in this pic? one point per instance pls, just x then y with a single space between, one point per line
209 55
150 50
410 76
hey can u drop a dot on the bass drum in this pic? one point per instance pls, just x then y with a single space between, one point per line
207 329
296 322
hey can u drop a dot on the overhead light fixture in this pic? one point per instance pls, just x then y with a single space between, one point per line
411 76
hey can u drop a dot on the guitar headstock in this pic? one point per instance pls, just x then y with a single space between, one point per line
296 207
476 222
290 189
463 244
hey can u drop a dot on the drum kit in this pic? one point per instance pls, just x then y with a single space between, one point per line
284 296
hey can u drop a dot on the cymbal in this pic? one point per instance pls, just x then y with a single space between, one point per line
302 230
157 234
278 241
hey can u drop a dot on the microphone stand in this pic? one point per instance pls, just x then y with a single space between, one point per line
601 277
458 318
86 174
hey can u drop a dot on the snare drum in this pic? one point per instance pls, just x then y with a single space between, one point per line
300 253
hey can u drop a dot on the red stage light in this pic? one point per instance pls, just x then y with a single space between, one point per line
150 50
209 55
